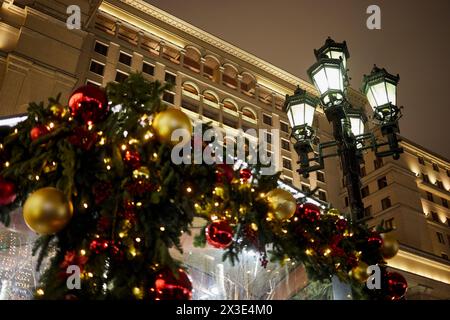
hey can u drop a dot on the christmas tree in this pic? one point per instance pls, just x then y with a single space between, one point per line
97 182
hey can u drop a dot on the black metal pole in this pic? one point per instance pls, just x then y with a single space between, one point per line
350 160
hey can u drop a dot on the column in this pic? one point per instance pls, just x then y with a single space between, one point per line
221 114
273 100
200 107
221 70
257 88
202 65
239 80
116 31
182 54
161 48
178 89
140 36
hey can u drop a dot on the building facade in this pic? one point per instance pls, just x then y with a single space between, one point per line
214 81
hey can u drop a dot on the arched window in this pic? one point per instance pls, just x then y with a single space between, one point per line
190 89
210 98
192 59
229 77
248 84
211 68
249 114
230 106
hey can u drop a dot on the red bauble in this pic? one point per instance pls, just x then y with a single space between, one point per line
245 174
139 187
132 158
308 211
7 192
375 241
224 173
83 138
170 286
219 234
38 131
89 104
341 224
396 286
99 245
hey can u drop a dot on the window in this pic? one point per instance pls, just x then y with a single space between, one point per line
365 191
267 119
448 173
435 167
363 171
287 164
440 237
94 84
425 178
285 127
101 48
389 223
320 176
448 224
435 217
285 145
377 163
445 256
386 203
368 211
230 123
439 184
430 196
305 188
148 68
288 179
97 68
346 201
421 160
382 183
170 78
444 202
169 97
268 137
121 76
448 238
322 195
125 58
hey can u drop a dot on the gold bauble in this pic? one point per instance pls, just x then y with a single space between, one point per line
166 122
359 272
390 245
282 204
333 212
47 211
58 110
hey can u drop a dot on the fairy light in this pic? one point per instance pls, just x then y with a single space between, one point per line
162 229
51 125
262 194
216 204
214 217
138 240
284 231
83 252
108 167
40 292
189 189
139 204
37 178
90 275
309 252
102 141
133 141
155 155
85 205
148 135
121 235
7 164
327 252
123 147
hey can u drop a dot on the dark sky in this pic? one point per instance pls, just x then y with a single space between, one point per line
414 41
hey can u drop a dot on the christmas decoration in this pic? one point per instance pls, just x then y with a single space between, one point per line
281 204
7 192
389 247
83 138
47 211
396 286
89 104
72 258
341 224
171 286
308 211
166 122
219 234
224 173
132 158
375 241
99 245
38 131
359 272
58 110
101 190
245 174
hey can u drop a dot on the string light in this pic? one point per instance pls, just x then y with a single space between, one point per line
40 292
138 240
7 164
83 252
327 252
37 178
85 205
162 229
189 189
123 147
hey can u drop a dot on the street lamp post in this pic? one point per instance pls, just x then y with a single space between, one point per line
329 75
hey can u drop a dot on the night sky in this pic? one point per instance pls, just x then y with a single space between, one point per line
414 41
